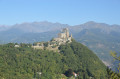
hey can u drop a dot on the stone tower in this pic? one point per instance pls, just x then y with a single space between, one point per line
66 31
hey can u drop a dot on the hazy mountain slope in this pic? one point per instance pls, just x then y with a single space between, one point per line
4 27
27 31
36 37
37 27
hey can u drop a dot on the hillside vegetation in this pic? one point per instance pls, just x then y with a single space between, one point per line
26 63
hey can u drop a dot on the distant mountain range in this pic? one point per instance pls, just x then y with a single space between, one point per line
100 37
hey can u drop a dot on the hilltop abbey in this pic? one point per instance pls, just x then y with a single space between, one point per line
62 38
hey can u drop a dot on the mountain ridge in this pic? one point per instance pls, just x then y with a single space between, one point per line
31 25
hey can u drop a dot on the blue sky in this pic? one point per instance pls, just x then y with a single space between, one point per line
72 12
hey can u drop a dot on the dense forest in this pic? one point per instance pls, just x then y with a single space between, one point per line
25 62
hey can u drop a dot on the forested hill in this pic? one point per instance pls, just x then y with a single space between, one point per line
25 62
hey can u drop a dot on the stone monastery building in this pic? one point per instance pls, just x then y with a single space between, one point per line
62 38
